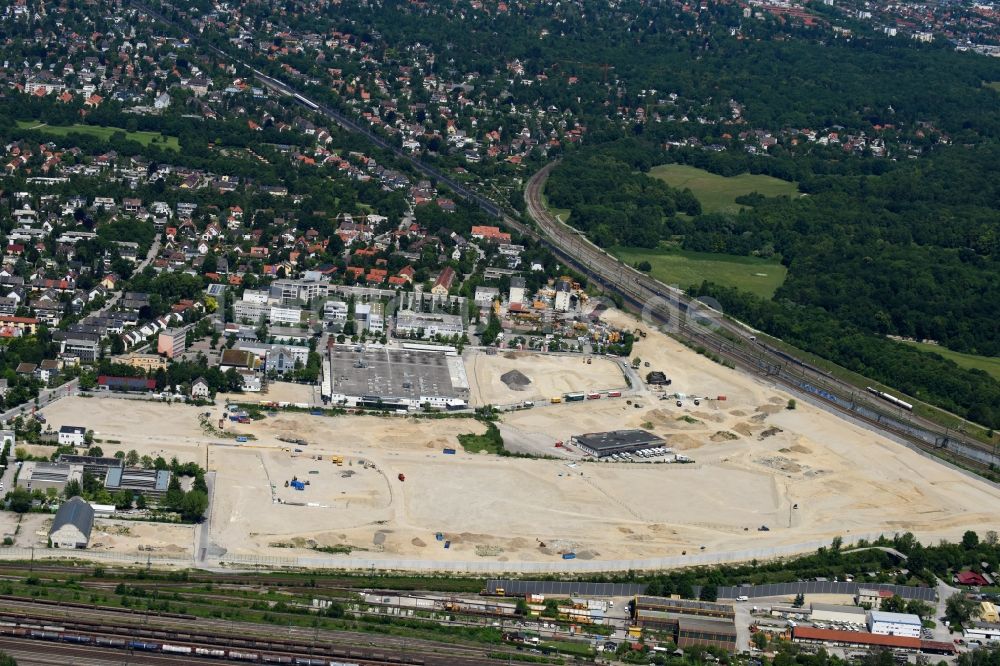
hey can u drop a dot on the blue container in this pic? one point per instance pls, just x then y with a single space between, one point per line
569 556
449 452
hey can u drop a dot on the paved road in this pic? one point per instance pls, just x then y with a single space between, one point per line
202 535
45 397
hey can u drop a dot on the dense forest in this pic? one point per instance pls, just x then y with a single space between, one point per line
913 251
614 203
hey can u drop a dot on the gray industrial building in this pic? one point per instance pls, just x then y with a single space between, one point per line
602 444
393 378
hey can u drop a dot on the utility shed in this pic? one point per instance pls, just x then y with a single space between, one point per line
72 525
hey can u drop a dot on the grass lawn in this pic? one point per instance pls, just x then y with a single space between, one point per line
717 194
992 84
488 442
145 138
989 364
672 266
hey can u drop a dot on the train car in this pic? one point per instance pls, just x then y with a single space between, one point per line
275 659
208 652
308 661
143 645
78 638
45 635
104 641
890 398
175 649
236 655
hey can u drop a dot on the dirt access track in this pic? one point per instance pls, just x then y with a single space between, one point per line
754 461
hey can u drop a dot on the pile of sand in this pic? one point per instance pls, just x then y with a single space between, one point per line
515 380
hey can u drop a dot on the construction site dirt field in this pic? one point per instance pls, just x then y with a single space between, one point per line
755 461
542 376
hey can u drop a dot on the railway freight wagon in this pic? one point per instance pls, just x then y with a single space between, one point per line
57 634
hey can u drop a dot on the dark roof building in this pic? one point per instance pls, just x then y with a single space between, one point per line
690 622
685 606
601 444
95 465
72 525
148 482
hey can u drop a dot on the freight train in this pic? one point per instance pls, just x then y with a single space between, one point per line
61 635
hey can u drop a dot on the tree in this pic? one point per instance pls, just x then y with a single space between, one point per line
894 604
140 502
791 404
991 538
709 593
72 489
800 600
123 500
970 540
88 437
959 608
194 505
760 640
131 458
175 495
919 608
95 451
20 500
551 608
119 454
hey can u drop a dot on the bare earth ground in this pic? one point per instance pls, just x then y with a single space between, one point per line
550 375
754 460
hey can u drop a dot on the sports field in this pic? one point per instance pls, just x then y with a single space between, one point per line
682 268
717 194
990 364
104 133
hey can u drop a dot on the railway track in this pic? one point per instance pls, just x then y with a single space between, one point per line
670 307
210 633
661 303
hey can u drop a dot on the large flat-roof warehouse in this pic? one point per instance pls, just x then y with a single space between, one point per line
601 444
394 378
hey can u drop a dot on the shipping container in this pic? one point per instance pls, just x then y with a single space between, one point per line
614 394
449 452
569 556
574 397
593 396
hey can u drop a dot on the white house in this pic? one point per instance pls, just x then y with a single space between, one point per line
199 388
72 525
71 435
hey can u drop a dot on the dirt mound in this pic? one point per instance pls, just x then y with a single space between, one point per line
683 442
723 436
418 542
515 380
